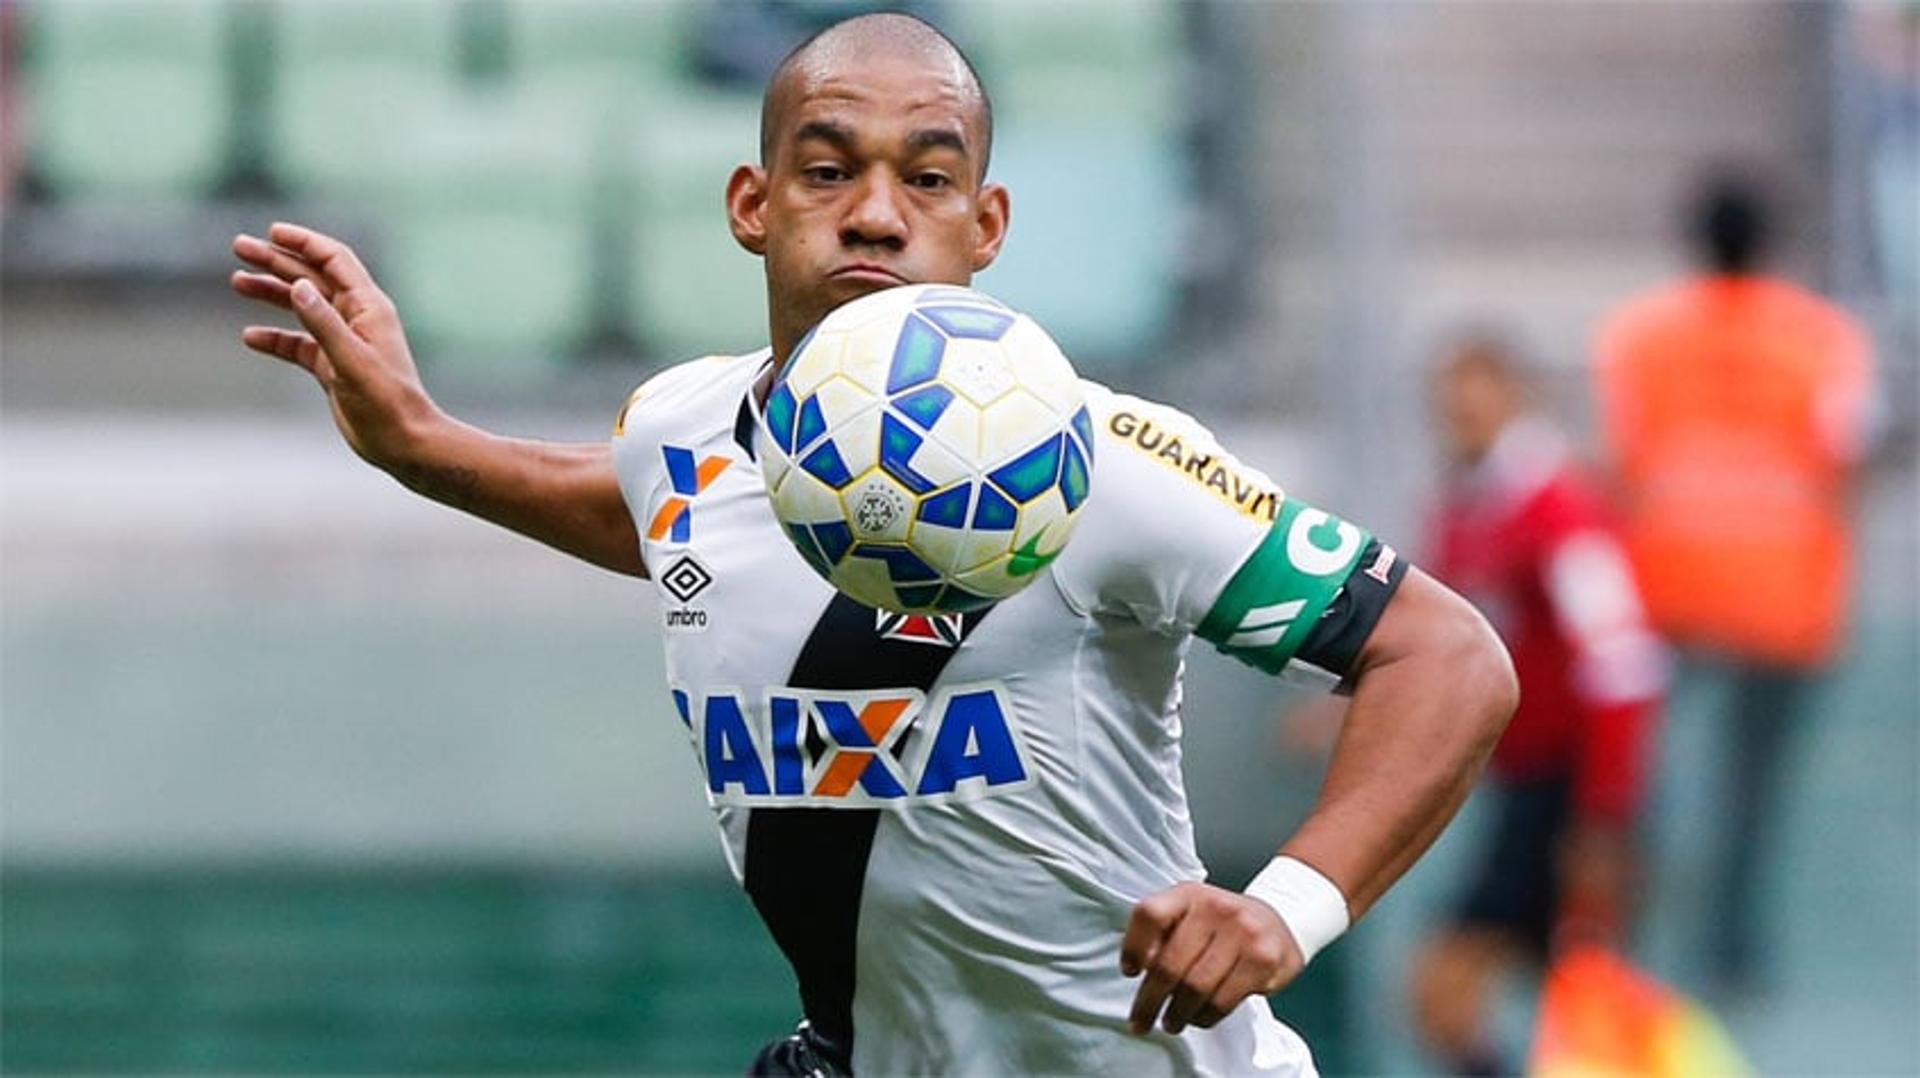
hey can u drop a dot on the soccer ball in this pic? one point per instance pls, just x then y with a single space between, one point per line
927 449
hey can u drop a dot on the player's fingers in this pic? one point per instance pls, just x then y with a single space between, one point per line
1148 999
1165 970
342 279
1197 986
278 261
1243 980
292 346
1153 917
263 287
342 345
334 260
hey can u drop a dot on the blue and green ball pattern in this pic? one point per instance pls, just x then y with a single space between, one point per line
983 507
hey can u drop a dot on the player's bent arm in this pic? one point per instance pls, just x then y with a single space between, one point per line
567 496
1201 543
1432 690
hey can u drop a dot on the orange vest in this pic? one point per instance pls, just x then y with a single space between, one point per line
1734 410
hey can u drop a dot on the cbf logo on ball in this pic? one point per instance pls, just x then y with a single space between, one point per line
927 449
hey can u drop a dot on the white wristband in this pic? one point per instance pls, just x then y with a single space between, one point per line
1313 908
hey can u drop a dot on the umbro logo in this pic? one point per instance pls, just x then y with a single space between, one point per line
685 578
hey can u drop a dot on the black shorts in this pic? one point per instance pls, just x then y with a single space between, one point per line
1516 888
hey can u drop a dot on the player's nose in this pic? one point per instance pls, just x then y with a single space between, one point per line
876 216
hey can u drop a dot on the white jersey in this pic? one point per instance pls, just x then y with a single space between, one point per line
946 821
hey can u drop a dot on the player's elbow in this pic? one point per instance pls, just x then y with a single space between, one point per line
1483 672
1468 663
1446 649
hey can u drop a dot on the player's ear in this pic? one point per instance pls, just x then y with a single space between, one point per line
990 225
747 207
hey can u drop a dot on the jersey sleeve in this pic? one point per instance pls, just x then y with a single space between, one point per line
636 444
1619 667
668 401
1185 538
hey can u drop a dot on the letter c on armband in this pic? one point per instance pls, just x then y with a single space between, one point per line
1310 557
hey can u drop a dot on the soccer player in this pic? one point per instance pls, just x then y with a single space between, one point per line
1522 532
969 836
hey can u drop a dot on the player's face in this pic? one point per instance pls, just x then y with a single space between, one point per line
1473 401
872 181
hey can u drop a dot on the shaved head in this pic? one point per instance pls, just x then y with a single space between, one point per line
850 43
872 173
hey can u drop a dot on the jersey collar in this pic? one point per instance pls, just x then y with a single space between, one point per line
748 417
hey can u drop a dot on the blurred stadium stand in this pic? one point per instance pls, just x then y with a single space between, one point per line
350 87
540 179
133 101
302 775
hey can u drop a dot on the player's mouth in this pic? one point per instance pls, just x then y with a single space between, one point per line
869 273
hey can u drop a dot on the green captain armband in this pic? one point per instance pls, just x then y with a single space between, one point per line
1273 602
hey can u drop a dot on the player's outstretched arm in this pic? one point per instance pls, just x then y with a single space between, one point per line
1433 689
352 343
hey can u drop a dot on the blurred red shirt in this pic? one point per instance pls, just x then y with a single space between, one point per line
1525 537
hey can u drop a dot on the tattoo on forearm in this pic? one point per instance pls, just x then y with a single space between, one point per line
451 484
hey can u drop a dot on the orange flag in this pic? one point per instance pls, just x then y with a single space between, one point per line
1600 1017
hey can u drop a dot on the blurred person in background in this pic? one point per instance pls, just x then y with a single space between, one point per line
1887 38
1734 410
1523 534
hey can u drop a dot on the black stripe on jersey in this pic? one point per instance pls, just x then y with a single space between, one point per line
743 425
806 867
1343 628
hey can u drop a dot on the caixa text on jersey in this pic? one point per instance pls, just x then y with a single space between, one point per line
872 749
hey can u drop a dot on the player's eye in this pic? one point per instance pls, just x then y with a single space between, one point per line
931 181
824 173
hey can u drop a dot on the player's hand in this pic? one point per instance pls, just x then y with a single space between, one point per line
1204 950
351 341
